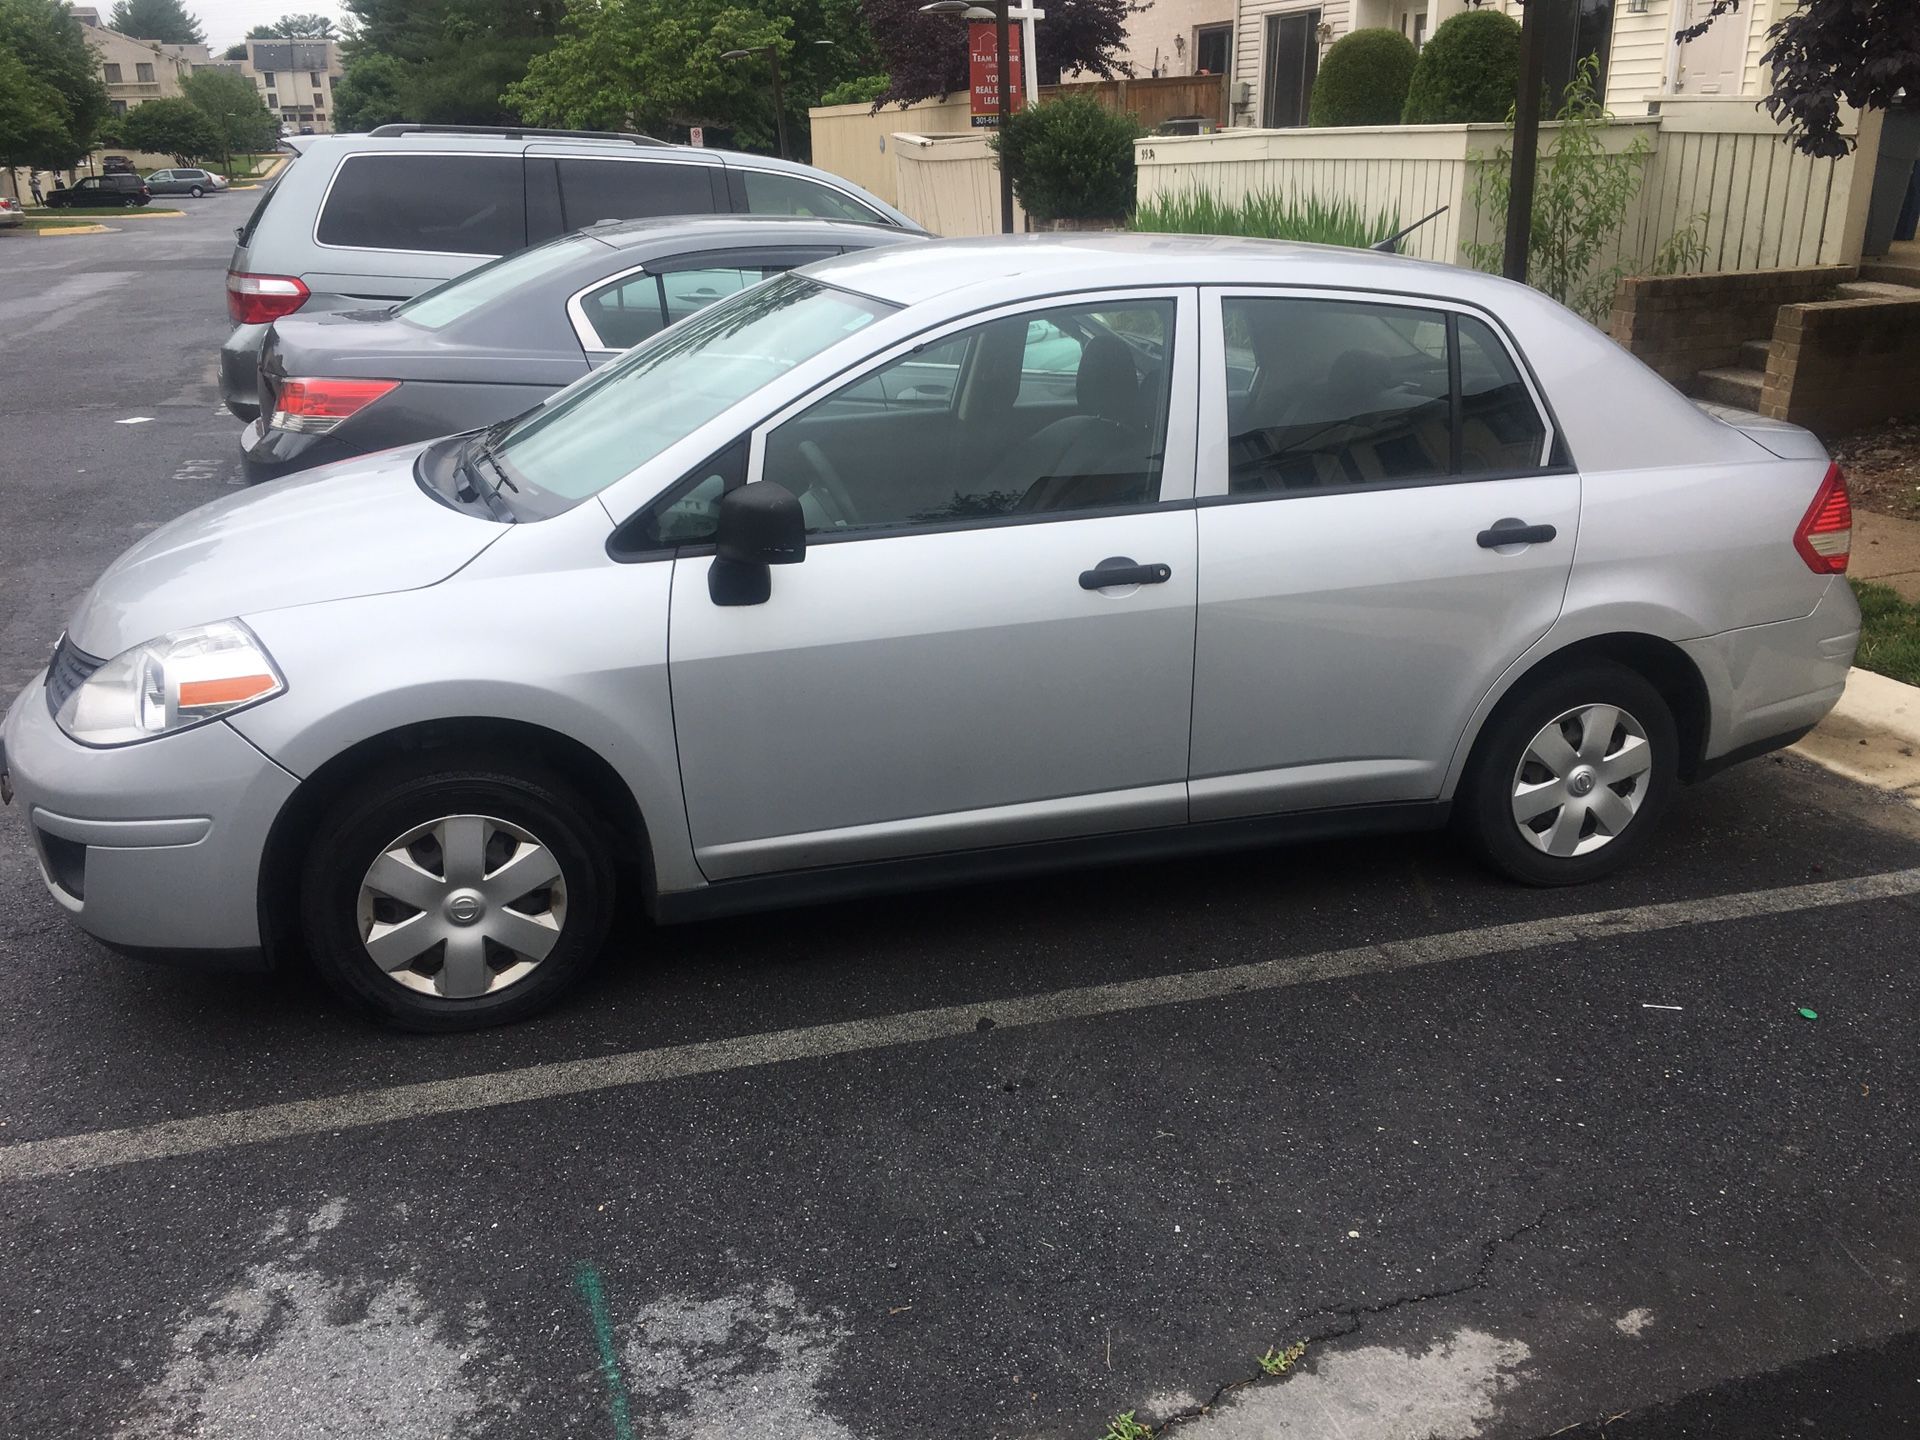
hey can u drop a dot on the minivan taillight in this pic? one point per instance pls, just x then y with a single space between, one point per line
1825 535
256 299
313 407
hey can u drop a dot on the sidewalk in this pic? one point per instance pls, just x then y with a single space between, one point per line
1886 550
1873 735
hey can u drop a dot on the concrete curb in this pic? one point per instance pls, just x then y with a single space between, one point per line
1873 735
70 230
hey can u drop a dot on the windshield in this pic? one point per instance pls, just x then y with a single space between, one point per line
605 426
439 307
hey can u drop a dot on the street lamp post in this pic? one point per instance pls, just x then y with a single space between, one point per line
997 13
772 52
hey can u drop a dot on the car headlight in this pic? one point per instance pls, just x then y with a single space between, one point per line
171 683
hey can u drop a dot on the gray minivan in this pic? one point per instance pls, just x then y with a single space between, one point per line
375 218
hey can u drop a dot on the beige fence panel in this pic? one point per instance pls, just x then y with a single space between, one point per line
1155 100
851 141
949 183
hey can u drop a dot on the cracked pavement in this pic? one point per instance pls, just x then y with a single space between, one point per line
1497 1194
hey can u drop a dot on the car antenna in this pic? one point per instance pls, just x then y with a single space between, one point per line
1391 245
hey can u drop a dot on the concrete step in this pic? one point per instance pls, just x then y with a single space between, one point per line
1890 272
1730 385
1875 290
1753 355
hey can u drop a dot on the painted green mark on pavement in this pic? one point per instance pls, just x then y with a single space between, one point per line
593 1290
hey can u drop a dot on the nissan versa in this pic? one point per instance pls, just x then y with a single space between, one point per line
848 583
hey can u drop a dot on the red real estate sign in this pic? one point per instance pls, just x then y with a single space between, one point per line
983 67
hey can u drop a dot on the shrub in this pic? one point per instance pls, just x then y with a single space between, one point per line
1364 79
1071 159
861 90
1469 73
1267 215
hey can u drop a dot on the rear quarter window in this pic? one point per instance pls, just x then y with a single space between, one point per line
595 190
451 204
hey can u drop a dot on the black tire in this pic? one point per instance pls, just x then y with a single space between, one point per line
385 806
196 192
1484 806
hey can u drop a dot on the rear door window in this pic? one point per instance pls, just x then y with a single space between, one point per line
450 204
626 311
771 192
595 190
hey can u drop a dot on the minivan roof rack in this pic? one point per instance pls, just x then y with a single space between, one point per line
515 132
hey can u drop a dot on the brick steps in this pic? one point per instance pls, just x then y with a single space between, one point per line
1730 385
1890 272
1875 290
1753 354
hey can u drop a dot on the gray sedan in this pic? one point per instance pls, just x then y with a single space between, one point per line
485 346
835 587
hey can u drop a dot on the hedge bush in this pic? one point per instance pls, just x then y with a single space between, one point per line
1468 73
1071 159
1364 79
861 90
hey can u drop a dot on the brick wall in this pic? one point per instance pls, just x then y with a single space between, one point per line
1682 324
1839 365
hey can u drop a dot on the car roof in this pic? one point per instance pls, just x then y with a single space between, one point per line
1036 265
683 232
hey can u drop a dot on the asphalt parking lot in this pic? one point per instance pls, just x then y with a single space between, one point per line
998 1162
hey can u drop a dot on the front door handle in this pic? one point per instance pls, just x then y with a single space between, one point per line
1119 570
1514 532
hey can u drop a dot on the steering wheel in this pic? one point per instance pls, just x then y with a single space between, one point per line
827 487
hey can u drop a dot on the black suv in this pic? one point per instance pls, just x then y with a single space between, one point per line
128 190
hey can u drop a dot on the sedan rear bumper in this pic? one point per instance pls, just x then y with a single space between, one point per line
1771 683
240 370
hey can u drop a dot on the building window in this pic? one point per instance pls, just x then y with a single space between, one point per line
1210 44
143 73
1292 62
112 72
1573 33
119 107
273 102
313 77
267 76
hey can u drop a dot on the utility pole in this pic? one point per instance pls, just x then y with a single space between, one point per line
1003 107
772 52
1526 138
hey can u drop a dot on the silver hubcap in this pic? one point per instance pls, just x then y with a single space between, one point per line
1581 780
462 906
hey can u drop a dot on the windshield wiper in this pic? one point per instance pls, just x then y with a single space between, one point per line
469 468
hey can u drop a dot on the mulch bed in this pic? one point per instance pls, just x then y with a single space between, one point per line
1883 467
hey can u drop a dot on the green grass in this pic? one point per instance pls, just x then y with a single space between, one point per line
1267 215
1889 633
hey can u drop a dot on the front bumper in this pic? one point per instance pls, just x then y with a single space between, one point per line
240 370
154 846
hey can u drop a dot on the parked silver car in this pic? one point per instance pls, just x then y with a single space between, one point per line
848 583
355 220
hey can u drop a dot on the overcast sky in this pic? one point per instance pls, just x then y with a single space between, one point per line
227 21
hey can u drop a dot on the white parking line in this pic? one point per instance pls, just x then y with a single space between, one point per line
105 1149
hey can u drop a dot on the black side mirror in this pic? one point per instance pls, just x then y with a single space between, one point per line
759 526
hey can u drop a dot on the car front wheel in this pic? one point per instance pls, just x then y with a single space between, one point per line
454 898
196 192
1569 781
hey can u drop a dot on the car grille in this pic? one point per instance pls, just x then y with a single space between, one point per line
70 668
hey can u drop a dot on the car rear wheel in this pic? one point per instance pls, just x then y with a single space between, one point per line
455 898
196 192
1569 781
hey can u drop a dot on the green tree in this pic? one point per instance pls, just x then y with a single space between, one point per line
656 66
375 90
235 109
33 126
50 43
297 27
1468 73
170 126
454 57
167 21
1364 79
1071 159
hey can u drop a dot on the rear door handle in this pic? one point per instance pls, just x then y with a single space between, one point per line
1514 532
1119 570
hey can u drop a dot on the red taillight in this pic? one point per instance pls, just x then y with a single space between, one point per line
1825 535
313 407
256 299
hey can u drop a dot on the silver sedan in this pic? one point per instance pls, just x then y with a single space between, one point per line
938 563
